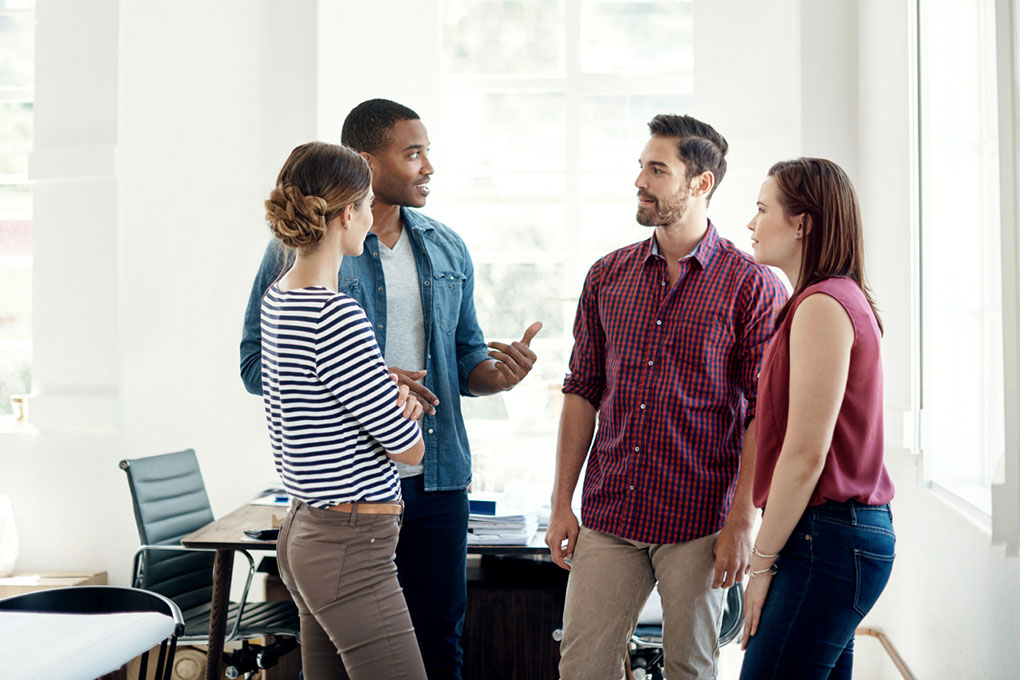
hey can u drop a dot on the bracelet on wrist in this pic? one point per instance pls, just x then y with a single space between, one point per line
770 570
759 553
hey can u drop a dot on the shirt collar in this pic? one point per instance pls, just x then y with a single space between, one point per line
702 253
415 220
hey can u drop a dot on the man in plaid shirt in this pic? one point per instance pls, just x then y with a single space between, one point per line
669 336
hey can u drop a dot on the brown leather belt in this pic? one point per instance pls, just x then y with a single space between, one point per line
369 508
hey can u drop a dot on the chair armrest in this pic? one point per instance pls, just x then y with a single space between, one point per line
232 635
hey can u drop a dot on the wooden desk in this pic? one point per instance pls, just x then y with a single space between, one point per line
512 598
226 535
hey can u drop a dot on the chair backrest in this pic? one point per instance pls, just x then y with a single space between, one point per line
170 502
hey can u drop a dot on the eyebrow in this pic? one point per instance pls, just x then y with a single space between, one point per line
414 146
656 163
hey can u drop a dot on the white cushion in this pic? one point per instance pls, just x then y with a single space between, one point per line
42 645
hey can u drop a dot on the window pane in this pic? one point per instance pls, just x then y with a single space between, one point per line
510 297
16 126
608 226
614 130
17 46
490 229
15 238
962 307
501 132
16 301
15 201
631 35
15 377
503 37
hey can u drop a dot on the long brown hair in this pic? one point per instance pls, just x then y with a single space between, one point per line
833 244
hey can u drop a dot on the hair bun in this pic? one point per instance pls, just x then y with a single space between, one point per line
299 221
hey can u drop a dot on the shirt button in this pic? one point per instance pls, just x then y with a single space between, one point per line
380 289
375 254
636 449
650 363
664 283
631 487
379 326
658 322
426 282
430 430
642 407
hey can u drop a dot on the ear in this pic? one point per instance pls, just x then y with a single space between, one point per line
368 158
702 184
345 215
804 224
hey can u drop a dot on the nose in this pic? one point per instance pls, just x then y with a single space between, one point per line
639 181
426 166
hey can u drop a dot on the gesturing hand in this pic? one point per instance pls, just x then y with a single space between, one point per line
514 361
411 379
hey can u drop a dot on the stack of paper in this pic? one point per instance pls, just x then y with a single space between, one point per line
496 521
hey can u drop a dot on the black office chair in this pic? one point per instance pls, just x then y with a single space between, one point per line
107 600
645 646
170 502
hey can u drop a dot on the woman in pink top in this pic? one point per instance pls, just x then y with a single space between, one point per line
826 545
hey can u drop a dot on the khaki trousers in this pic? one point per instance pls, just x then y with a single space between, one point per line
339 569
610 580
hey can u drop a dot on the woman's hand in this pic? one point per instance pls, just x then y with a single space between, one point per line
412 407
755 592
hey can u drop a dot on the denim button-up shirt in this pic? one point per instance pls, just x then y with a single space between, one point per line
455 341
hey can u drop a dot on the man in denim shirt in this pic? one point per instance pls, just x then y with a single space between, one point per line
416 274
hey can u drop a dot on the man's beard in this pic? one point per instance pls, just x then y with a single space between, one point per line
664 213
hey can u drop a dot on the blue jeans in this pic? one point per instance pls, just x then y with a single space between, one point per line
432 569
830 574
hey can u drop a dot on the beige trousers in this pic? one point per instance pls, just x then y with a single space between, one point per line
339 569
610 580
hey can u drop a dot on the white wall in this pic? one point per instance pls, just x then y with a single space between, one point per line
160 130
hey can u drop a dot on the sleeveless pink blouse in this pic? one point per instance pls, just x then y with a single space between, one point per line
854 466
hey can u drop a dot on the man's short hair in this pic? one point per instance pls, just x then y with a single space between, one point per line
367 127
699 146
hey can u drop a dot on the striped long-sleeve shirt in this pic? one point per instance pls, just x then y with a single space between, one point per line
330 405
673 374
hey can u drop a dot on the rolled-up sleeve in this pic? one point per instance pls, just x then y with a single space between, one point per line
759 300
587 376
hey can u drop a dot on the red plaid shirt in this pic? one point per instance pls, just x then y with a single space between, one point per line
673 373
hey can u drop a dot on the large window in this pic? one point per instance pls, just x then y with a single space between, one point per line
544 112
961 241
17 33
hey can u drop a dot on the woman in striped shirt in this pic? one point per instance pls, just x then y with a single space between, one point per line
337 421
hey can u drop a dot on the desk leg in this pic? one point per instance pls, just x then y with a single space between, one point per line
222 570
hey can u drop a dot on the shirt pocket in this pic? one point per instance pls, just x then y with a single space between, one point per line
447 291
701 352
349 286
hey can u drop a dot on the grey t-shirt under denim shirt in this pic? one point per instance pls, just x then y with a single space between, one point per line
405 346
